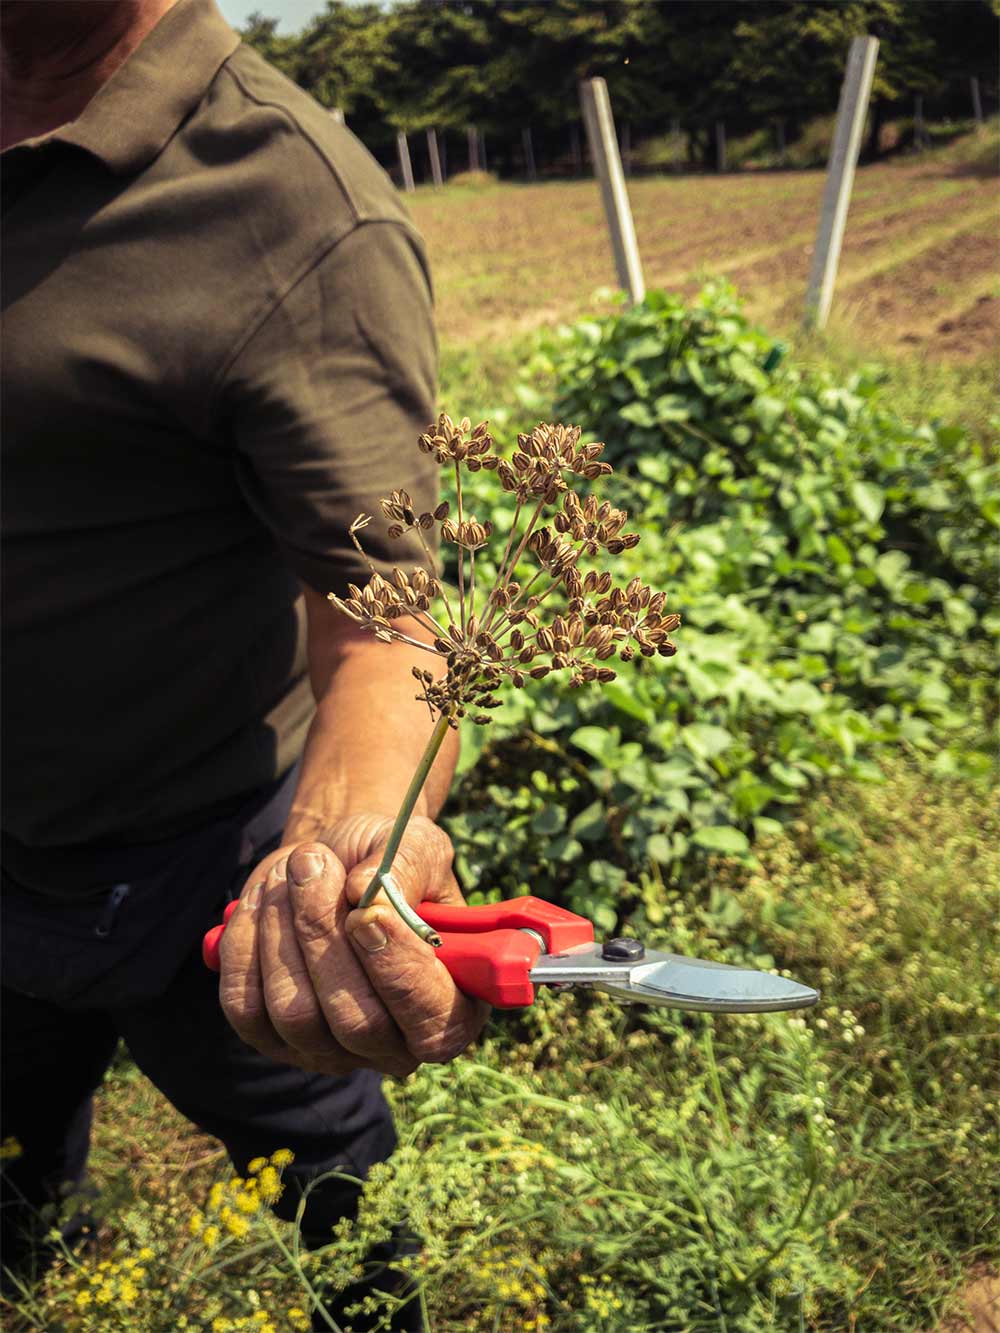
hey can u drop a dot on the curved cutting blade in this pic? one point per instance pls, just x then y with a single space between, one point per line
676 982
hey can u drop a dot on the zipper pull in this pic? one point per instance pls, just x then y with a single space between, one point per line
116 897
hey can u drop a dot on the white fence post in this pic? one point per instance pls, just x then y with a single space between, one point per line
604 154
403 149
338 114
432 152
851 111
977 102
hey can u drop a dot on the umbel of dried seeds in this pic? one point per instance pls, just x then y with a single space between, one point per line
501 632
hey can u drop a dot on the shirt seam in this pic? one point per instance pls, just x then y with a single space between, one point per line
316 147
262 317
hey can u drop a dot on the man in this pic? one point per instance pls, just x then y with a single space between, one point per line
218 350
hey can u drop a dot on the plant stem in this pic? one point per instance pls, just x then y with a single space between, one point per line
382 879
461 548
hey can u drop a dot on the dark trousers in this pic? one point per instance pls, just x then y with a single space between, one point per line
57 1046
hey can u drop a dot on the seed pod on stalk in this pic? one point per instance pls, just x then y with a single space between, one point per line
498 633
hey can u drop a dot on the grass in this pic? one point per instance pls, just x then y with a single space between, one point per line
582 1142
587 1168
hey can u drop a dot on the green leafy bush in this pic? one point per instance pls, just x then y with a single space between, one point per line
834 567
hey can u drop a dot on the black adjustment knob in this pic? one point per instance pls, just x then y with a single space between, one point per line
624 950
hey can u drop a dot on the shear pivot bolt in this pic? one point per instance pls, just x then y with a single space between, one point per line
623 950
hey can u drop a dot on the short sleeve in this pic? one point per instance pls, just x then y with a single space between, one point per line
324 404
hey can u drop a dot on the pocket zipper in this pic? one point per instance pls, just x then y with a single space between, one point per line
116 897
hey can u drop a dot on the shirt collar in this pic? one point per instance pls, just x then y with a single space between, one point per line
129 121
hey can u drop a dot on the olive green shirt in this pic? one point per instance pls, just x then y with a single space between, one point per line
218 350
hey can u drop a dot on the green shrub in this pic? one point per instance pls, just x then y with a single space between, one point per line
834 568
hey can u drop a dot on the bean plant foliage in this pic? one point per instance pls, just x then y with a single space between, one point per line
834 569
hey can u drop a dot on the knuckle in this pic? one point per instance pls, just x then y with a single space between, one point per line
365 1033
318 917
436 1046
241 1008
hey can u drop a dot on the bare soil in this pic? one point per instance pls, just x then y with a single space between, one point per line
981 1314
918 269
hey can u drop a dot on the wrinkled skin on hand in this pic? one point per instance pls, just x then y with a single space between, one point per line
309 979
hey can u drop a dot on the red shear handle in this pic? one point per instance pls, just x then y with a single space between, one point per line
560 929
492 965
213 938
484 948
487 951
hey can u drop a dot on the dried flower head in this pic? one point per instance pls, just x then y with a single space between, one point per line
503 636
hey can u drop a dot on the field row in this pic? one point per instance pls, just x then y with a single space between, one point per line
918 268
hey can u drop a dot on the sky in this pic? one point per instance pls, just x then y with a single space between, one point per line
293 15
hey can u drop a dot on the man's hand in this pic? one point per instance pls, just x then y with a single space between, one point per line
309 981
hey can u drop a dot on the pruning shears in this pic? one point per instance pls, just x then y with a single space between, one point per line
500 952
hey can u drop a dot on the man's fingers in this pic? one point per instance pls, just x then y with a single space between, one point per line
436 1019
291 1003
351 1009
241 986
421 867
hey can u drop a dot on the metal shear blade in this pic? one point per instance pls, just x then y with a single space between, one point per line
675 981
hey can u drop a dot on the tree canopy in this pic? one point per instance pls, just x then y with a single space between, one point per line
507 65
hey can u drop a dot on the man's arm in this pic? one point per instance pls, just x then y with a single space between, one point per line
305 978
369 731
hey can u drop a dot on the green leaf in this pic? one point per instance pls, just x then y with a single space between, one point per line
672 407
621 697
798 696
705 740
869 498
722 838
658 848
594 741
549 821
638 414
838 552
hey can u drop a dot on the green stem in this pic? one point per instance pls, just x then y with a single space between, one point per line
317 1304
715 1084
382 878
461 549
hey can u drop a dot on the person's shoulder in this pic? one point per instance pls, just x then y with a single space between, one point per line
294 147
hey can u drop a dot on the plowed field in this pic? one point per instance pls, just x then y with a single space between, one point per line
918 269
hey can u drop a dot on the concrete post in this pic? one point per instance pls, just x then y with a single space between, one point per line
720 146
403 149
529 154
977 102
607 162
432 153
851 110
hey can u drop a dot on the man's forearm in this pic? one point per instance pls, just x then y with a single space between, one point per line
369 731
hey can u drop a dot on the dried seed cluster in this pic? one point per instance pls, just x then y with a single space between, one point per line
505 637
